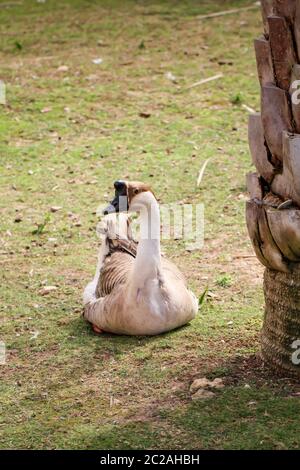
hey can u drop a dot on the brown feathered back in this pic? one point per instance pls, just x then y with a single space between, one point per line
117 265
115 271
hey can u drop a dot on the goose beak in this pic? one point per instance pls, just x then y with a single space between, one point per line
111 208
118 204
115 206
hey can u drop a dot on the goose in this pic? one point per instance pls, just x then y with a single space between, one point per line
136 291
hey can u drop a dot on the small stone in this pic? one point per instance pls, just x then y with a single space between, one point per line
199 383
202 394
92 77
217 383
170 76
63 68
204 383
47 289
97 61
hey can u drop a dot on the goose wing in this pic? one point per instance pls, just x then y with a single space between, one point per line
115 271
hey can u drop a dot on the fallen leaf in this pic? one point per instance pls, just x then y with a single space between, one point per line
201 172
248 109
225 62
205 80
144 114
55 208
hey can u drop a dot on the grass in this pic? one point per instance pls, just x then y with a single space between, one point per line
69 129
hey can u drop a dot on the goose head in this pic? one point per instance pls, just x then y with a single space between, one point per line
130 196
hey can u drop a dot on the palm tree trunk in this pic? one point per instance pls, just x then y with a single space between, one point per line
272 213
281 327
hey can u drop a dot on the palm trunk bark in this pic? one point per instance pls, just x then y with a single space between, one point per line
272 213
281 322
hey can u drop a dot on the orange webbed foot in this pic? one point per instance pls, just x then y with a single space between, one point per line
97 330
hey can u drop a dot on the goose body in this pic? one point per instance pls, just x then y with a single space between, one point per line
135 290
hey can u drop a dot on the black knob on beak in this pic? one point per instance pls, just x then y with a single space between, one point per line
119 203
120 186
